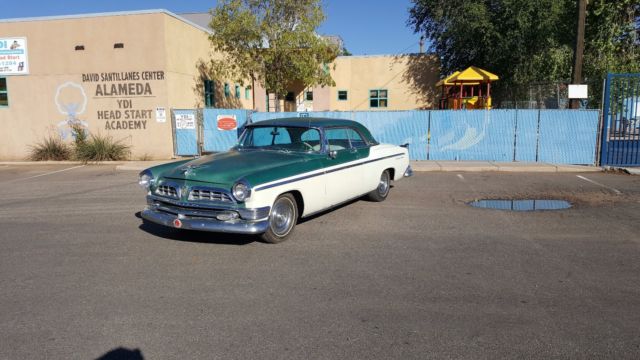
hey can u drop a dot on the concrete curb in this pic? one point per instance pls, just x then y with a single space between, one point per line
486 166
120 165
41 163
140 165
633 171
418 166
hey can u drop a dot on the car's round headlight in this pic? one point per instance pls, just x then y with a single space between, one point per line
145 179
241 191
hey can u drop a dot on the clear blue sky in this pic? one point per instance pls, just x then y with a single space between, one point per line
367 26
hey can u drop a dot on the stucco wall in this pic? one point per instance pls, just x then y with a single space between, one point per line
87 86
408 79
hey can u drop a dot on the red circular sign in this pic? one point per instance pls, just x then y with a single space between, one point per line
227 123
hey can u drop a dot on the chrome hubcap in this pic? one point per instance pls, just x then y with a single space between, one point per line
383 186
282 217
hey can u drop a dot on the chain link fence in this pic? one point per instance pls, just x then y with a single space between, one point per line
545 95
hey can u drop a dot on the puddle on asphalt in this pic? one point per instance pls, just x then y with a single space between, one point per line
521 205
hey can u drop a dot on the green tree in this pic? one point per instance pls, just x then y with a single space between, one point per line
611 40
273 42
526 41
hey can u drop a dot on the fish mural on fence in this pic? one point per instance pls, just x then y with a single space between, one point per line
471 135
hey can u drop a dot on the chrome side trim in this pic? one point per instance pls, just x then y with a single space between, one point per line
264 187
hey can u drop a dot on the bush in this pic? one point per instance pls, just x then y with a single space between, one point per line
100 148
51 148
86 147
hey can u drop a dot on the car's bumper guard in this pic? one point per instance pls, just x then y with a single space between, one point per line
243 221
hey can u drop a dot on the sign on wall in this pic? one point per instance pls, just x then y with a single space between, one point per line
577 91
13 56
131 91
226 122
185 121
161 115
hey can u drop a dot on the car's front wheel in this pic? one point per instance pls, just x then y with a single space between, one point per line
282 219
381 192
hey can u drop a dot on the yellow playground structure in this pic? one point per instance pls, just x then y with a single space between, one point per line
467 89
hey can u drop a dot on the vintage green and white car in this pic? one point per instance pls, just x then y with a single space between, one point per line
279 171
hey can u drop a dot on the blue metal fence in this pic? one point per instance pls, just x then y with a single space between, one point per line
558 136
621 125
185 131
472 135
215 139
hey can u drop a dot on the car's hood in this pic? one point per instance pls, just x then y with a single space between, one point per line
228 167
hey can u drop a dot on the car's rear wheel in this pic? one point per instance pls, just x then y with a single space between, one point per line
381 192
282 219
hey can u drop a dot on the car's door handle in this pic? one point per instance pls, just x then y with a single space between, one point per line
353 150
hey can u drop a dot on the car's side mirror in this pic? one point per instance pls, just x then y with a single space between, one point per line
333 154
405 145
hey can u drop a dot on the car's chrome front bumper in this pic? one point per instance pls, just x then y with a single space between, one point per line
246 221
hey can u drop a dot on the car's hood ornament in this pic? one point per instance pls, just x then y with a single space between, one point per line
189 170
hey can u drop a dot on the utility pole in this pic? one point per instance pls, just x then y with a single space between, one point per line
421 44
578 52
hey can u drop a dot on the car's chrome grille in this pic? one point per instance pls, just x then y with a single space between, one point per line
210 195
167 190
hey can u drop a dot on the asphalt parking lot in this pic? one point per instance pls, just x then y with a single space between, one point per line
421 275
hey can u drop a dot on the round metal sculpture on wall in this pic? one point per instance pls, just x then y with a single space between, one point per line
521 205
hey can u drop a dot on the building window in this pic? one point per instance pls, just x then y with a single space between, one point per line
118 46
209 98
237 91
227 91
247 92
308 95
342 95
378 98
290 96
4 96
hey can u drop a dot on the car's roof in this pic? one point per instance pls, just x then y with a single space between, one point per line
306 121
317 122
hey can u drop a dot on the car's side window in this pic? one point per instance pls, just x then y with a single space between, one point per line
265 136
356 139
337 138
312 138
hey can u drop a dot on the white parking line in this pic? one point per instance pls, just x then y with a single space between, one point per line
50 173
460 177
599 184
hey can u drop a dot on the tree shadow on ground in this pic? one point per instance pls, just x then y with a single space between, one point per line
421 75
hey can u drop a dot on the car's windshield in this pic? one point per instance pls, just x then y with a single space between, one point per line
280 138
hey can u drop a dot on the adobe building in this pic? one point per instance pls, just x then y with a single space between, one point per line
120 74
